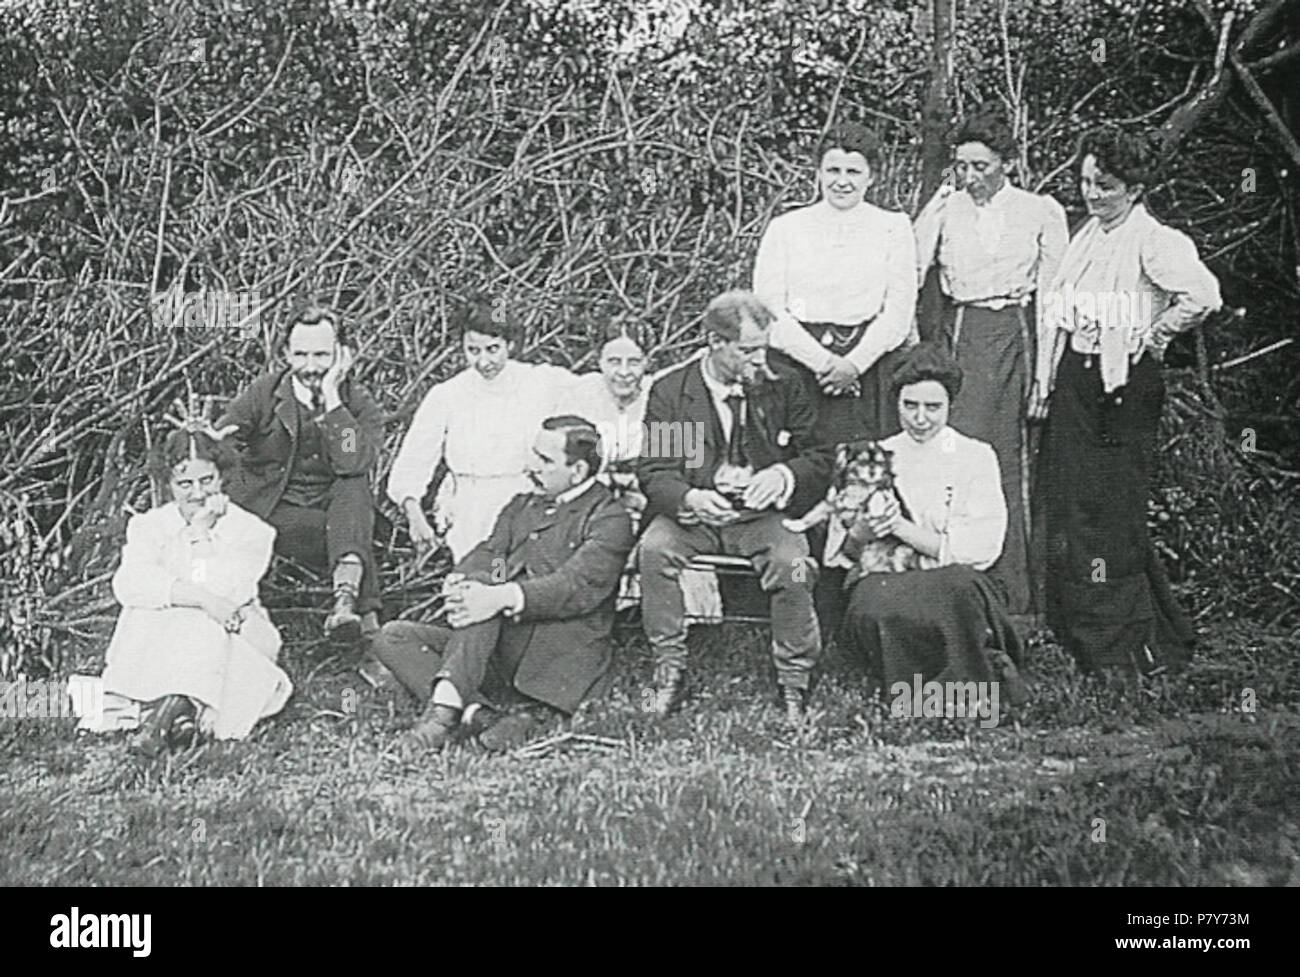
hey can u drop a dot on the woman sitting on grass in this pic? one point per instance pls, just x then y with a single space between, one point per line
193 650
944 621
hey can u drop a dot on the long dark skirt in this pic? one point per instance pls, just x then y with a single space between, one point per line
872 413
1108 597
996 351
947 624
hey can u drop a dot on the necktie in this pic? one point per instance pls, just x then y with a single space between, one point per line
317 404
736 443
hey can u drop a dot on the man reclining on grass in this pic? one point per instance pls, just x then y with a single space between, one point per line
531 609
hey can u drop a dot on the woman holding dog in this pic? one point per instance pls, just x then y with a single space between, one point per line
1126 286
945 621
840 274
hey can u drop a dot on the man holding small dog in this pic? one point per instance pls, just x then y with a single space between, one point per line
760 461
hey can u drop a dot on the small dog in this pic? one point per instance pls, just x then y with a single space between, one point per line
863 482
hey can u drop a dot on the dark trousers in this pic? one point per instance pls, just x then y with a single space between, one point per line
421 654
786 572
341 523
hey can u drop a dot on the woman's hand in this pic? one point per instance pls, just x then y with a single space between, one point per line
837 378
1039 394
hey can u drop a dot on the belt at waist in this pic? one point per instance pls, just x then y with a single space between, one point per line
999 303
836 337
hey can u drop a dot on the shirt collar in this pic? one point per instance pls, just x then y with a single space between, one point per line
568 495
718 389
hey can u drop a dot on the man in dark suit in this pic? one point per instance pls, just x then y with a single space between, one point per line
533 613
755 458
308 439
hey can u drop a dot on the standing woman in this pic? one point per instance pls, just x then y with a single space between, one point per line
996 246
840 275
1126 286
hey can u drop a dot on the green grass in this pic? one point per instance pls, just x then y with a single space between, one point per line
1190 789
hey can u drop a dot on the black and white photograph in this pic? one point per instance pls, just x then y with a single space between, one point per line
651 443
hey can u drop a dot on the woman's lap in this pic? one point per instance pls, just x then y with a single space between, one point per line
933 623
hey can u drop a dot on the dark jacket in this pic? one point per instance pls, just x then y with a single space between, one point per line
568 558
780 425
266 415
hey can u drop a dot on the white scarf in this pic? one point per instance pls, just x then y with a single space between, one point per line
1097 292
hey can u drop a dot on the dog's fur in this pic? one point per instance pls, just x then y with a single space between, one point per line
863 482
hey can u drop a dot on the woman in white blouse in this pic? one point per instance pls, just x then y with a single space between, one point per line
481 423
945 621
1126 286
840 275
193 649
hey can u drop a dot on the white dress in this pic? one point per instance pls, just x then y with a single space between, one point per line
158 649
484 429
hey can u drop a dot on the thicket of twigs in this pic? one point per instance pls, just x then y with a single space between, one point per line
394 159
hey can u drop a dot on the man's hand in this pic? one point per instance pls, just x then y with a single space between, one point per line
334 376
765 489
472 602
710 507
838 377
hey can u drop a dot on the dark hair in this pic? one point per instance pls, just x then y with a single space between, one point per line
492 319
183 445
728 312
1126 156
581 439
623 327
985 125
309 313
852 137
927 361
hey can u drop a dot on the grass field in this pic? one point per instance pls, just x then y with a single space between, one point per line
1178 786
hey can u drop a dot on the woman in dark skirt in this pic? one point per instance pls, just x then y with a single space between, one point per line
945 621
1127 284
840 274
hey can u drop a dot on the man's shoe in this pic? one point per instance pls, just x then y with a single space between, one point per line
172 719
796 705
344 623
667 690
435 728
511 732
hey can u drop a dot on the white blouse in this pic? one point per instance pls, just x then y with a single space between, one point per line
821 264
484 428
952 486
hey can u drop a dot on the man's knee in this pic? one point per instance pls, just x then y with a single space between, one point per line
351 499
663 545
787 564
400 640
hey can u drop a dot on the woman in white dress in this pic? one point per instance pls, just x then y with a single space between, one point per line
193 649
481 423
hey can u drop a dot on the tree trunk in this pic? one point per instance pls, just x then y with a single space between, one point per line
938 112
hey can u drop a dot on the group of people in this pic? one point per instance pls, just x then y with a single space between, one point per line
554 486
